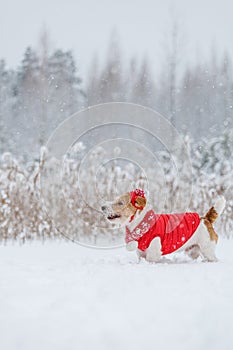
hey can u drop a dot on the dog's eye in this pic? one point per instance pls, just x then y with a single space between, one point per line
120 203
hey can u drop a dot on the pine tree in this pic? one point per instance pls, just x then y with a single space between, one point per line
143 90
48 91
7 100
28 103
225 90
93 82
66 93
111 83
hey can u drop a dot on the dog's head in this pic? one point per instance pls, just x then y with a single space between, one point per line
124 207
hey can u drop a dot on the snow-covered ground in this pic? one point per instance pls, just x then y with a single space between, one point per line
63 296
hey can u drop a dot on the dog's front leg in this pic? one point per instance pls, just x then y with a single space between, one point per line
153 252
131 246
141 255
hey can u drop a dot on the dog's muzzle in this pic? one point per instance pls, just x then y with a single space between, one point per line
113 216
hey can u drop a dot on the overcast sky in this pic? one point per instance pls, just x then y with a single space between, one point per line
85 26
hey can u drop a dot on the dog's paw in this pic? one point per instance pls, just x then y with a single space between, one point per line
153 253
212 259
132 246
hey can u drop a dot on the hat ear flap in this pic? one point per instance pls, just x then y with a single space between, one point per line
140 201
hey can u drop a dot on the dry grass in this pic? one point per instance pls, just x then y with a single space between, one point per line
22 214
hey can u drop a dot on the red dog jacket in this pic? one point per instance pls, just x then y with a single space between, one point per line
174 230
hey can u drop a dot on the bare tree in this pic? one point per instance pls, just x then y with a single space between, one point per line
44 53
173 47
226 87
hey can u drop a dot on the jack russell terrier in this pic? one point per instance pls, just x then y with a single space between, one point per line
154 235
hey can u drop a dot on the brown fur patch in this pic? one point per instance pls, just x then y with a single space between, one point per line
212 232
141 201
127 209
209 219
211 215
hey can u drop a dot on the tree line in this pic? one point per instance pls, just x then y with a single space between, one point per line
47 87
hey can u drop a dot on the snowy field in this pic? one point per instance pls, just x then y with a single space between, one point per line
63 296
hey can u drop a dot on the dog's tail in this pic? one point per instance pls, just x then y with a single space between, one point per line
220 205
212 215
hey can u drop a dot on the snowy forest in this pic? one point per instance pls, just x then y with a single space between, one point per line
99 99
47 87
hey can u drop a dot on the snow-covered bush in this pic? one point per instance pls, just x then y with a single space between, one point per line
21 214
22 209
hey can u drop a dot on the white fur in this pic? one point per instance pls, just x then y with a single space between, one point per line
201 238
193 252
153 252
200 241
198 244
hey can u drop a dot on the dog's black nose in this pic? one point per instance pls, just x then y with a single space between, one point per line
103 208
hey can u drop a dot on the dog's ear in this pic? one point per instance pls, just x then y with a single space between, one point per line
140 201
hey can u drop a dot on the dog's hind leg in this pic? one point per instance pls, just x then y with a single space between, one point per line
208 238
208 251
153 252
193 251
207 246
